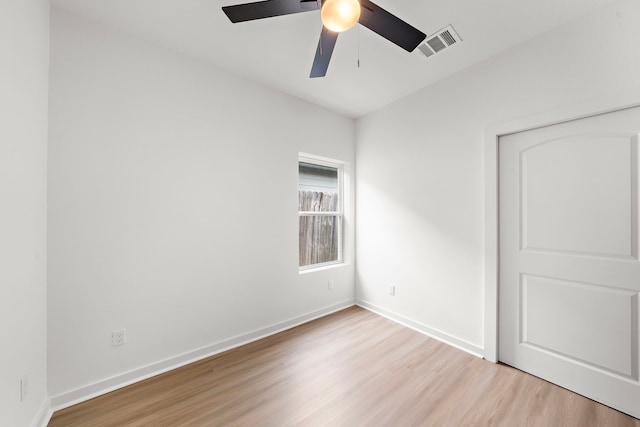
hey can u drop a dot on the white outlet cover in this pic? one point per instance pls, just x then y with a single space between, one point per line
118 337
24 387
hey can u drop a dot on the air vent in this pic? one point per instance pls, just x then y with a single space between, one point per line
439 41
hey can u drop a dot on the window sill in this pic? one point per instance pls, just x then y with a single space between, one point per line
321 267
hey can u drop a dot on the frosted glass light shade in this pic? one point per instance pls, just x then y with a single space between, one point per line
340 15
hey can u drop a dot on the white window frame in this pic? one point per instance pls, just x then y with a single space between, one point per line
339 165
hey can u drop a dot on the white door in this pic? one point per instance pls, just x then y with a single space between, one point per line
569 267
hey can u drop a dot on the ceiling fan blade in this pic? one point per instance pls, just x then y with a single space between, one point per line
267 9
390 26
323 52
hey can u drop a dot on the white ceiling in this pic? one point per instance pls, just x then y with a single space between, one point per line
279 51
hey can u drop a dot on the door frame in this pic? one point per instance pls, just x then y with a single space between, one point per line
493 133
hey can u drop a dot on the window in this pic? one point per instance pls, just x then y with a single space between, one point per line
320 211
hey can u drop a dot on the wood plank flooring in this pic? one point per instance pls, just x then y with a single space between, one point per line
352 368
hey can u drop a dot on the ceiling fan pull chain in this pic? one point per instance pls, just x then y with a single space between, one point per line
323 29
358 46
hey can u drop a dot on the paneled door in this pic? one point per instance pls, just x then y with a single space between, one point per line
569 268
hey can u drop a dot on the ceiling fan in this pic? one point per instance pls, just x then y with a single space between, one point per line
337 16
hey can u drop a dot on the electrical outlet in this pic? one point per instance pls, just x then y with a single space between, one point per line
392 290
24 387
118 337
330 284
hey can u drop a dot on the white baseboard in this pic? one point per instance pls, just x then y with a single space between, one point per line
44 414
458 343
107 385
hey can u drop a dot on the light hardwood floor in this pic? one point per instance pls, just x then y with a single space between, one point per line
352 368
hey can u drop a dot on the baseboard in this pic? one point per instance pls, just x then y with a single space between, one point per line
44 414
107 385
458 343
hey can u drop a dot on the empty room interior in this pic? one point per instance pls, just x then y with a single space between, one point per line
222 213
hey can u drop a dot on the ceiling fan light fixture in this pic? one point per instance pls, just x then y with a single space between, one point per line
340 15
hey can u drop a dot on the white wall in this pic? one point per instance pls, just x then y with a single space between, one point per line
24 63
172 206
420 167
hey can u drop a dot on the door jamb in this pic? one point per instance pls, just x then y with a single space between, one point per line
592 107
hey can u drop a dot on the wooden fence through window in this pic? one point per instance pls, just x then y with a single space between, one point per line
318 235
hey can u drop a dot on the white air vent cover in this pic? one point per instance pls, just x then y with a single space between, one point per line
439 41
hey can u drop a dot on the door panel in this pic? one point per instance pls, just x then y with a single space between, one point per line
600 183
569 268
549 325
